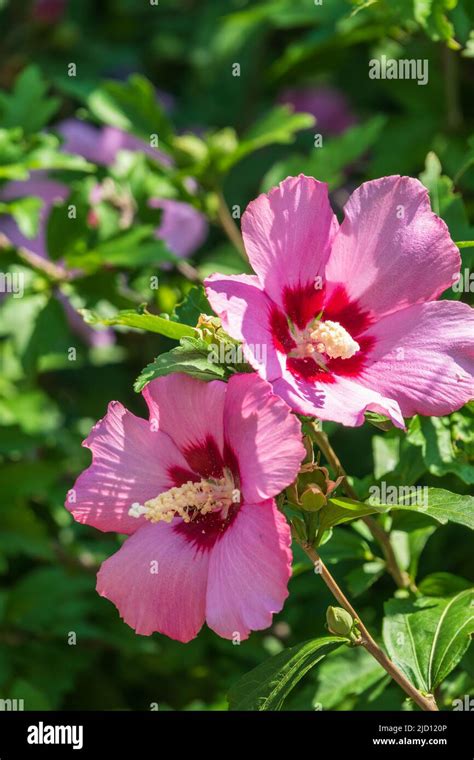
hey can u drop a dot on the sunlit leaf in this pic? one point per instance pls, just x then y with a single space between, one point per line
267 686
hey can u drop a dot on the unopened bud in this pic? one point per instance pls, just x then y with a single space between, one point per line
339 621
313 499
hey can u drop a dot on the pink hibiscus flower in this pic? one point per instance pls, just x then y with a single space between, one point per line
347 315
194 488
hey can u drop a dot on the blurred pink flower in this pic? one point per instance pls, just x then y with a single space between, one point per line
348 315
328 105
49 191
182 227
101 145
194 488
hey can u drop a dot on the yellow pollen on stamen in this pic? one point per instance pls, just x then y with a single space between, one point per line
190 500
333 339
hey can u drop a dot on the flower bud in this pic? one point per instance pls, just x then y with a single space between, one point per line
311 489
312 499
339 621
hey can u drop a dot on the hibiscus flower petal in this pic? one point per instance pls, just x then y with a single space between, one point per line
245 311
424 357
391 249
263 435
288 234
157 580
342 400
130 463
249 569
183 228
191 413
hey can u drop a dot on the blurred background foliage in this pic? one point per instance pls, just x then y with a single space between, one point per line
168 71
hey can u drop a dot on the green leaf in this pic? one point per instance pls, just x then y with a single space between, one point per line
225 149
431 15
468 158
443 506
49 599
39 330
278 126
20 154
409 536
192 357
446 202
327 163
442 584
133 107
195 304
26 213
341 510
348 672
447 443
363 577
136 247
407 471
25 480
343 545
66 236
427 638
141 320
28 105
224 259
361 5
267 686
386 454
21 532
35 414
33 698
379 421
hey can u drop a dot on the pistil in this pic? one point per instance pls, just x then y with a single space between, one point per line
190 500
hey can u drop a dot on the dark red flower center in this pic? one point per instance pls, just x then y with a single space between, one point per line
207 463
321 331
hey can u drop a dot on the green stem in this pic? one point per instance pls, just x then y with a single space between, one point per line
228 225
427 702
51 270
451 87
401 578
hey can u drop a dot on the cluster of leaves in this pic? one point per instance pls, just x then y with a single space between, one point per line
226 137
